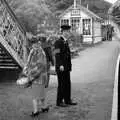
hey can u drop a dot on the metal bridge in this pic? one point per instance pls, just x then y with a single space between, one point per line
13 41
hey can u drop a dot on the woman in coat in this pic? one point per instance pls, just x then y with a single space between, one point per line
36 70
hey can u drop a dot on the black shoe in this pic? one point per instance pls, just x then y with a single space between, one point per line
71 103
34 114
62 105
45 109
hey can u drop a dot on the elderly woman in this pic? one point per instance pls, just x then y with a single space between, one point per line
36 70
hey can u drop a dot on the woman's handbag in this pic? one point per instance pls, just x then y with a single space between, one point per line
24 81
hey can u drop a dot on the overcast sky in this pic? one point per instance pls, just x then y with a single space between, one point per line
111 1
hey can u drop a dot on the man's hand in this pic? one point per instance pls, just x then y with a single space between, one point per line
61 68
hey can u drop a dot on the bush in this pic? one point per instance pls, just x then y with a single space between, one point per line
74 39
31 13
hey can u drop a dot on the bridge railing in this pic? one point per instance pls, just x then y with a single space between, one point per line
13 34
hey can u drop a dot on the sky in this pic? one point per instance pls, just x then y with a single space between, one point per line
111 1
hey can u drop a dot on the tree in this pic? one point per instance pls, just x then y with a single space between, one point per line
30 13
114 11
33 12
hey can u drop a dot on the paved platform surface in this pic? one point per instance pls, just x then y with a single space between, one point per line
92 87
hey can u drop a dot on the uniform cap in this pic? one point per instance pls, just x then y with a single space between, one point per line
65 27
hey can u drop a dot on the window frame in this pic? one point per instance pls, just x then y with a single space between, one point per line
75 23
86 29
64 21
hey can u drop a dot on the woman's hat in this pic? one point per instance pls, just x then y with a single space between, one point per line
34 39
41 37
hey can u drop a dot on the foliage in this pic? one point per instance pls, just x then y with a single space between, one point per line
45 12
31 13
114 11
97 6
74 38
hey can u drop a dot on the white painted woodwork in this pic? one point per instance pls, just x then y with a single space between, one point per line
96 35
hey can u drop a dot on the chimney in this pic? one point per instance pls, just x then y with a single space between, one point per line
80 2
74 3
87 6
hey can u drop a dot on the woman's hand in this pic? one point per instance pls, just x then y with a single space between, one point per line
29 84
25 69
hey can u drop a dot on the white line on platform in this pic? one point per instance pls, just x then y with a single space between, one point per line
115 92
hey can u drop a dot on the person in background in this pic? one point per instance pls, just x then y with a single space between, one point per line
48 51
63 68
36 70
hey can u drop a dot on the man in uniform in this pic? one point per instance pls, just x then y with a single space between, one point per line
63 67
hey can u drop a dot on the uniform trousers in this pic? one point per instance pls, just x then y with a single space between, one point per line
64 87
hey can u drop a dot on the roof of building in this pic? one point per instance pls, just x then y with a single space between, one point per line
86 10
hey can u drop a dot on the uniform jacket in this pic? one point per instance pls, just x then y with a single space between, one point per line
62 55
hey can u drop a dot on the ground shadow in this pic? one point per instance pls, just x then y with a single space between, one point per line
9 75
